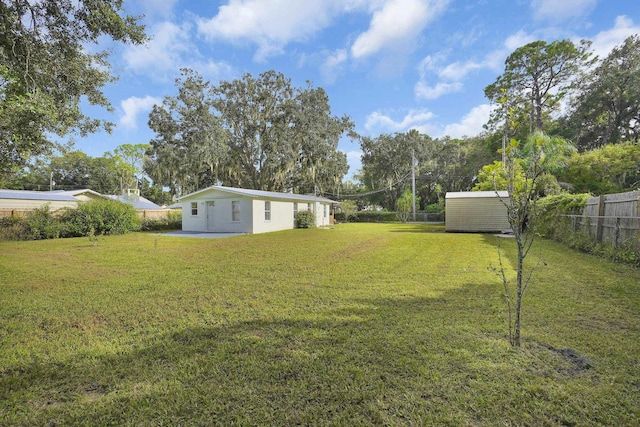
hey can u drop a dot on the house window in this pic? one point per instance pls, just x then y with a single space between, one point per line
325 210
267 211
194 208
235 210
295 210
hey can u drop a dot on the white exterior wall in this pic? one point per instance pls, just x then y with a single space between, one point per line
321 219
191 222
281 216
219 217
476 214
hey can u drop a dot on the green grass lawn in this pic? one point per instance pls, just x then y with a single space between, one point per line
357 325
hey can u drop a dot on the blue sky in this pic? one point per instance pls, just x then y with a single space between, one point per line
391 65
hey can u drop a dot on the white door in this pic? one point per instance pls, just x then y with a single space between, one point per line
210 216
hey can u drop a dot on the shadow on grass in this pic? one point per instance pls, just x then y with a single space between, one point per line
381 361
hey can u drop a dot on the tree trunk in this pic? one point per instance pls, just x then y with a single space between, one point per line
519 292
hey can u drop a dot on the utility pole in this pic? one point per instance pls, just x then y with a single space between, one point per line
413 181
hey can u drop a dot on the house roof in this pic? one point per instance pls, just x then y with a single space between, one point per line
139 203
476 194
49 196
69 196
260 194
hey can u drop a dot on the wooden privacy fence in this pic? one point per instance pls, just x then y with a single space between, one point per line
14 212
612 218
155 214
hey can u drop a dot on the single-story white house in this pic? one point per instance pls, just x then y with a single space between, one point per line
476 211
220 209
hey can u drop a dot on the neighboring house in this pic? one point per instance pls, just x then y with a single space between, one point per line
20 202
476 211
220 209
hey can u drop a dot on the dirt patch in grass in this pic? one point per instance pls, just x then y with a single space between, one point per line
572 363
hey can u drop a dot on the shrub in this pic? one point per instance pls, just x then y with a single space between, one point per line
100 217
41 224
14 228
305 219
435 208
553 222
373 216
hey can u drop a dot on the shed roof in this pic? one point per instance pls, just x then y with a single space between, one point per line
476 194
48 196
260 194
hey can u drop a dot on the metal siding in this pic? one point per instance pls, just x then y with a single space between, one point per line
484 214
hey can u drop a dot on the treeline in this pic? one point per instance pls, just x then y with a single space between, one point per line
261 132
558 88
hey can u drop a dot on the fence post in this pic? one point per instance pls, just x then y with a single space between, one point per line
616 234
600 221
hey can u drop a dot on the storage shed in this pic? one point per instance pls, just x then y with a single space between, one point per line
476 211
220 209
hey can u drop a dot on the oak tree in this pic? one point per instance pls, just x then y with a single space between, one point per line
47 70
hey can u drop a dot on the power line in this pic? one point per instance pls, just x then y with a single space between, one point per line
368 193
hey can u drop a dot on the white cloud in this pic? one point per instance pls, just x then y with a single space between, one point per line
377 122
423 121
422 91
471 124
133 106
452 76
170 49
354 160
163 8
605 41
164 52
396 23
332 65
561 10
517 40
459 70
270 24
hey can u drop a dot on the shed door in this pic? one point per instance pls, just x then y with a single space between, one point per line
210 216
